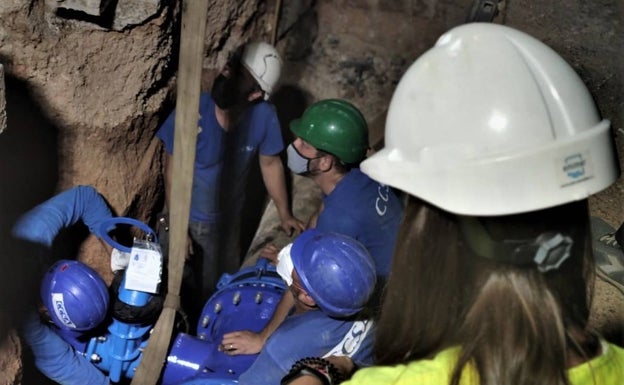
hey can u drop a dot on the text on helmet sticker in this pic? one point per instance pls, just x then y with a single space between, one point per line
59 309
575 168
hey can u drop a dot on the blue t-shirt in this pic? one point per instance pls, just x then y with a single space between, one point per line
309 334
208 160
367 211
257 132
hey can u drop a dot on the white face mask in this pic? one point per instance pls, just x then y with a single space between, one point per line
297 163
285 265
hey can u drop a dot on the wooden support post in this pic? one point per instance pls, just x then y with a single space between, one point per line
185 137
276 16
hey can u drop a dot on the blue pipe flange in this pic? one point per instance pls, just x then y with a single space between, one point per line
112 222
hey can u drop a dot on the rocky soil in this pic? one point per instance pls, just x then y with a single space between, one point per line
85 96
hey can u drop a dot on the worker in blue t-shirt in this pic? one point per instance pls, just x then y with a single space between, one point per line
332 139
257 135
331 277
235 103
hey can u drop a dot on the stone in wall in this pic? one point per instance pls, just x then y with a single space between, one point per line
134 12
91 7
104 14
10 367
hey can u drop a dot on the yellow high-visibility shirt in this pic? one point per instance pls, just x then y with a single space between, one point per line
606 369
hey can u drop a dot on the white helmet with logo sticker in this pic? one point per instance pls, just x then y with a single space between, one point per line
491 121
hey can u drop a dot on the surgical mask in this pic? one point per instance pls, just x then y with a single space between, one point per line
297 163
224 91
285 264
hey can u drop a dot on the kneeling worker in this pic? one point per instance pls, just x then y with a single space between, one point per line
332 277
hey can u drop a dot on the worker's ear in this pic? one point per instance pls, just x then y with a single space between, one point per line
305 298
226 71
325 162
256 95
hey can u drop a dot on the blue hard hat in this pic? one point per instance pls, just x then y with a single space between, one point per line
336 270
75 295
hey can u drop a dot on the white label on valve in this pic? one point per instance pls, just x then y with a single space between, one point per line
144 269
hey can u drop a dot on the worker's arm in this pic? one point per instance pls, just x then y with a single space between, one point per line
42 223
273 177
314 217
343 364
56 358
247 342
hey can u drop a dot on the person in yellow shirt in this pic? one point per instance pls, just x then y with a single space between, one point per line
499 143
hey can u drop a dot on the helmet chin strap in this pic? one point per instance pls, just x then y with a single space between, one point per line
547 251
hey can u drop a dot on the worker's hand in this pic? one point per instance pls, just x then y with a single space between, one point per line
314 217
241 342
344 365
270 252
292 226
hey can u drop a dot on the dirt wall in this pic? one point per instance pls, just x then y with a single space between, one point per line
86 94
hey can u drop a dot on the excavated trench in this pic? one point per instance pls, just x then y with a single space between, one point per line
87 85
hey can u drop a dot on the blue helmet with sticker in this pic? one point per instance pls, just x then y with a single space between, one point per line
75 295
336 270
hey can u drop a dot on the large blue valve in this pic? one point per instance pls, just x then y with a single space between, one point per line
244 301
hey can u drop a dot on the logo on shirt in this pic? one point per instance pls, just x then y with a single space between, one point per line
381 203
352 340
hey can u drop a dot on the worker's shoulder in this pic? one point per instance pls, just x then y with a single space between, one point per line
262 108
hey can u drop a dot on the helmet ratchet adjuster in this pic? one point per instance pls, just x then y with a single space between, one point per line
548 250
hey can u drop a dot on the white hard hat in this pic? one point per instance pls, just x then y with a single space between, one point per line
263 63
491 121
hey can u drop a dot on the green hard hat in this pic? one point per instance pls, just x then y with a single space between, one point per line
334 126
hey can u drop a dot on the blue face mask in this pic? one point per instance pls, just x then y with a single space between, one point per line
297 163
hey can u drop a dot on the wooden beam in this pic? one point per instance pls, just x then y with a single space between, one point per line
185 137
